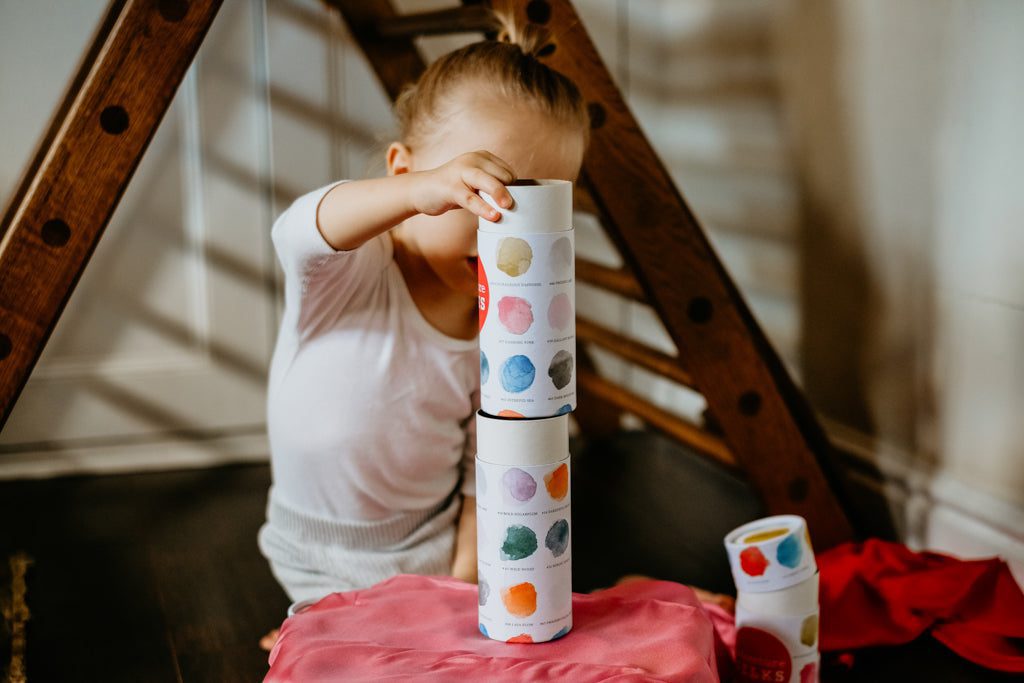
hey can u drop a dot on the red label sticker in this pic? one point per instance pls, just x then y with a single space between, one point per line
482 291
761 657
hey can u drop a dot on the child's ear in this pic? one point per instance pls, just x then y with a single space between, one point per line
399 158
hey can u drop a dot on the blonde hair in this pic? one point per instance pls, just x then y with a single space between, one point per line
510 64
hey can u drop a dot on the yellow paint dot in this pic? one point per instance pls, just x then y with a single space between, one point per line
759 536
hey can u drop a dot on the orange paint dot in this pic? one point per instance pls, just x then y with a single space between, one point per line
557 482
522 638
520 600
509 413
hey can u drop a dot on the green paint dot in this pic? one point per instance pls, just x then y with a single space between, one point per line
520 542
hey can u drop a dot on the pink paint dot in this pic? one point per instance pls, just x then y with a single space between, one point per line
515 314
560 312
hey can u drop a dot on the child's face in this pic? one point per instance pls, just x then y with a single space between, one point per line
532 143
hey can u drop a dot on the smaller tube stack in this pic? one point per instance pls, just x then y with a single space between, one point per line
777 611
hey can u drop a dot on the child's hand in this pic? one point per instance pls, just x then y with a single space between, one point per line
456 184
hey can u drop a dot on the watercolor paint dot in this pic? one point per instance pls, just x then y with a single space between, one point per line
557 538
561 258
521 638
759 536
509 413
517 374
763 655
564 409
514 256
483 630
557 482
809 674
560 370
520 600
560 312
485 368
809 631
515 314
789 551
519 484
483 591
753 562
520 542
561 632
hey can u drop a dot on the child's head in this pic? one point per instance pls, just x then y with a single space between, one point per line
494 96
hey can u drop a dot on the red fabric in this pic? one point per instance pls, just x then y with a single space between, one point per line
879 593
425 629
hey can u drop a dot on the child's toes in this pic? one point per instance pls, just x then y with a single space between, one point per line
267 641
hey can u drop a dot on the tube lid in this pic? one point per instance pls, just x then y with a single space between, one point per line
540 206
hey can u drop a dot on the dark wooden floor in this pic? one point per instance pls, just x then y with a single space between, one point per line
156 577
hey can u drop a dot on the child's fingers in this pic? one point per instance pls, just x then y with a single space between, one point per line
506 174
481 180
471 200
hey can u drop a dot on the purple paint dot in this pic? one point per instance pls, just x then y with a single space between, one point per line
519 484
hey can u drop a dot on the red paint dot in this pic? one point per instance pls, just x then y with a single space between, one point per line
753 561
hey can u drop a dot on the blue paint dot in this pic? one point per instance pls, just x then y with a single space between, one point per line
517 374
561 632
789 551
564 409
483 630
485 368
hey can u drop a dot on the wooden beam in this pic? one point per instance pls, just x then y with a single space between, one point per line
643 355
766 420
617 280
113 106
463 19
657 417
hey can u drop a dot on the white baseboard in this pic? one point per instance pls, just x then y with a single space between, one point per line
935 510
151 456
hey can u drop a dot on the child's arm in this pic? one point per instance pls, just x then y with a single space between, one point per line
353 213
464 564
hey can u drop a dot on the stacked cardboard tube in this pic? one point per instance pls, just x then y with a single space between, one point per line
777 613
526 280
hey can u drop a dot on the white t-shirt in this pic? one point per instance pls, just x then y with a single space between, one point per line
370 408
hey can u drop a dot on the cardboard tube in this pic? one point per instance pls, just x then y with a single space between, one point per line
770 554
527 299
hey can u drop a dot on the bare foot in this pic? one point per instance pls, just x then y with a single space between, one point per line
267 641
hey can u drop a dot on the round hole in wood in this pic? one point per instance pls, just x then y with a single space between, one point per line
798 489
55 232
173 10
547 50
114 120
597 114
538 11
5 346
699 310
750 403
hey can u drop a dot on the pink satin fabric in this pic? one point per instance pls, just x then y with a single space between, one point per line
424 628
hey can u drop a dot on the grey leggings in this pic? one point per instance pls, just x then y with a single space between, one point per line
312 557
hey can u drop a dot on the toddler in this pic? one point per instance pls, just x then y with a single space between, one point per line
375 378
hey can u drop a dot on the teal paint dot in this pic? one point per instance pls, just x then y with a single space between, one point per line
520 543
483 630
561 632
564 409
790 551
485 368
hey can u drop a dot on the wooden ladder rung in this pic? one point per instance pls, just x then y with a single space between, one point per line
634 351
464 19
617 280
657 417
